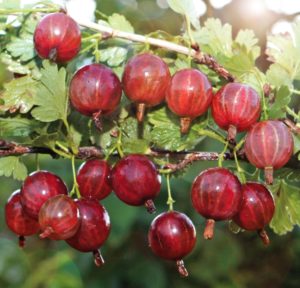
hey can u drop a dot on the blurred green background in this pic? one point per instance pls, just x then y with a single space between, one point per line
229 260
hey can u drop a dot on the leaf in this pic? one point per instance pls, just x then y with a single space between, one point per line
22 48
11 166
51 96
119 22
287 211
248 39
282 99
18 129
166 131
278 76
288 174
114 56
188 8
12 65
19 94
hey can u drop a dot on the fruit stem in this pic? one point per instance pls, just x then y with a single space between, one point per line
98 258
97 120
209 229
239 168
181 268
185 123
24 11
37 162
46 233
264 236
75 188
170 200
21 241
52 55
149 204
221 156
231 134
119 144
269 175
140 111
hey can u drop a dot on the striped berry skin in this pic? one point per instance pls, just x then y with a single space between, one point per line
145 80
269 145
94 228
95 89
93 178
37 188
172 236
189 95
57 37
216 195
17 220
59 218
257 209
235 108
136 181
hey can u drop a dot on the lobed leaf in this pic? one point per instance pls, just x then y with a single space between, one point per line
12 166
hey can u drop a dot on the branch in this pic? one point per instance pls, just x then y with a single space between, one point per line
198 56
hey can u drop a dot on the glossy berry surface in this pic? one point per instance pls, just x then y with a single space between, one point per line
135 181
189 95
95 88
257 207
59 218
57 37
172 236
94 228
93 178
236 107
37 188
216 195
269 145
145 80
17 220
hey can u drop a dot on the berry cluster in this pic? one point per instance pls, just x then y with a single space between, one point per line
43 203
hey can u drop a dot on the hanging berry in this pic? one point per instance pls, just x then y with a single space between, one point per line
189 96
216 195
145 80
269 145
235 108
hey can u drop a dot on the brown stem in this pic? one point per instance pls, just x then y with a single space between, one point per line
209 229
231 133
181 268
46 233
264 236
21 241
97 120
269 175
294 128
185 123
140 111
98 258
149 204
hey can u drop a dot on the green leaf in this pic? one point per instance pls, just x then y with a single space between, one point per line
282 99
119 22
51 96
22 48
12 65
288 174
166 131
19 94
114 56
188 8
18 129
248 39
287 211
278 76
11 166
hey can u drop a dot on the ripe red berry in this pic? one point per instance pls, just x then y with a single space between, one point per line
235 108
145 80
94 228
59 218
93 178
37 188
216 195
257 209
57 37
189 95
95 90
269 145
172 236
136 181
17 220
